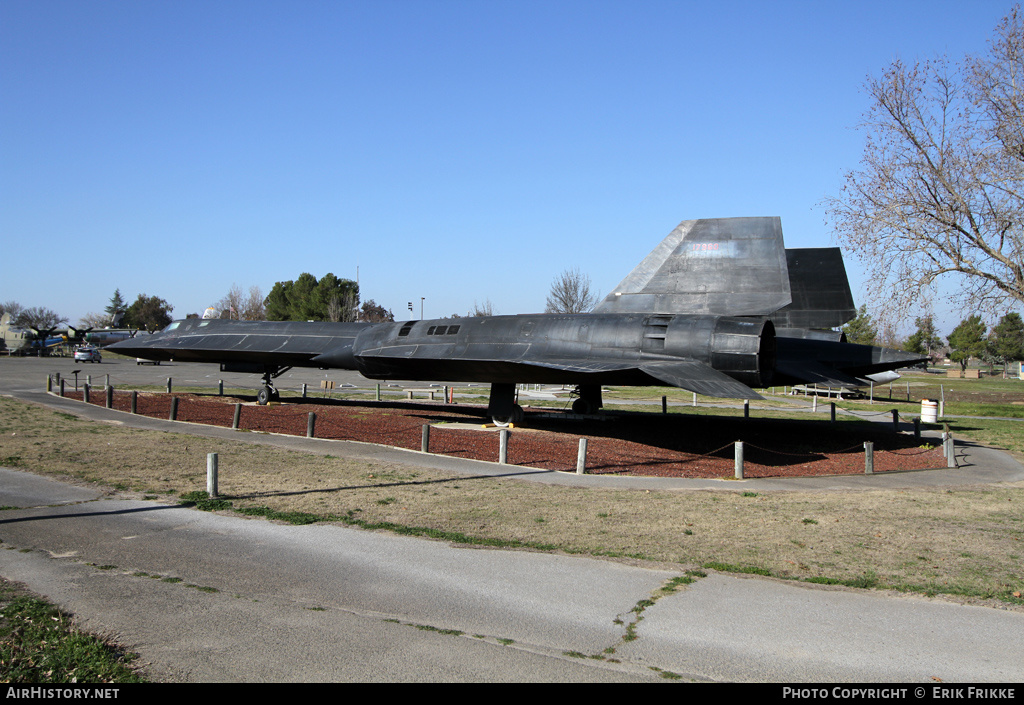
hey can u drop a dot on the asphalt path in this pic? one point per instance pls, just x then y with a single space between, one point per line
210 598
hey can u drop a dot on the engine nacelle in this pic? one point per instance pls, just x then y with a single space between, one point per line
743 348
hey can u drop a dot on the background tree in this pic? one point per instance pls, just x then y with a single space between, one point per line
1006 340
889 337
148 313
940 190
13 308
967 340
570 293
253 308
484 309
862 329
924 341
230 306
94 320
307 299
39 318
116 304
278 302
372 312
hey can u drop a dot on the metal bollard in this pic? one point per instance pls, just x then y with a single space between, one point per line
49 384
303 390
378 392
503 446
220 387
135 401
581 457
869 458
211 474
110 397
168 385
311 425
738 459
85 392
425 438
664 405
746 408
173 416
237 417
62 388
833 404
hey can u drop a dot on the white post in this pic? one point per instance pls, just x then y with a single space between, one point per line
581 457
738 459
211 474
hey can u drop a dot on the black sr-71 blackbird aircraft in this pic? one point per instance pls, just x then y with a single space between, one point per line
719 307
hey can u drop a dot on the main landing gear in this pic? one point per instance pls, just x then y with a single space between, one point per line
503 410
588 399
502 407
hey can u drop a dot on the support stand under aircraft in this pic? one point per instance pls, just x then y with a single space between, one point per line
719 307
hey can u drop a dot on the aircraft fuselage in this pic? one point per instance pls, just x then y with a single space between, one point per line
543 348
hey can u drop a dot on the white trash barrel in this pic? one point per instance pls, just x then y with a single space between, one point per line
929 411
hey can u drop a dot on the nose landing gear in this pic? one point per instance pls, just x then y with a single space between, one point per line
268 393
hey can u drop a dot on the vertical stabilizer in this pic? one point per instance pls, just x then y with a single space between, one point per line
820 290
715 266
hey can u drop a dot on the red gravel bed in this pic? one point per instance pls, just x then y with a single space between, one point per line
652 444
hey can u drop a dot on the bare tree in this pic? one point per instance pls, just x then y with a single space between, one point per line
231 305
343 307
570 293
940 190
13 308
40 317
253 307
484 309
94 320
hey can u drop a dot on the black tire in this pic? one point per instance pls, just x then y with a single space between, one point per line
582 407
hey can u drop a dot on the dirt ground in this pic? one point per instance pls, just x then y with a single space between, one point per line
628 443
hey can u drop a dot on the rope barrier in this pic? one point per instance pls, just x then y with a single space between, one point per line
283 418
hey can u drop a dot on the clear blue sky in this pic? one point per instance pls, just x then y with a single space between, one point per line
456 150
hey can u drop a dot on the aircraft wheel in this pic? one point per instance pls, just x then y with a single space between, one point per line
516 416
582 407
264 395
